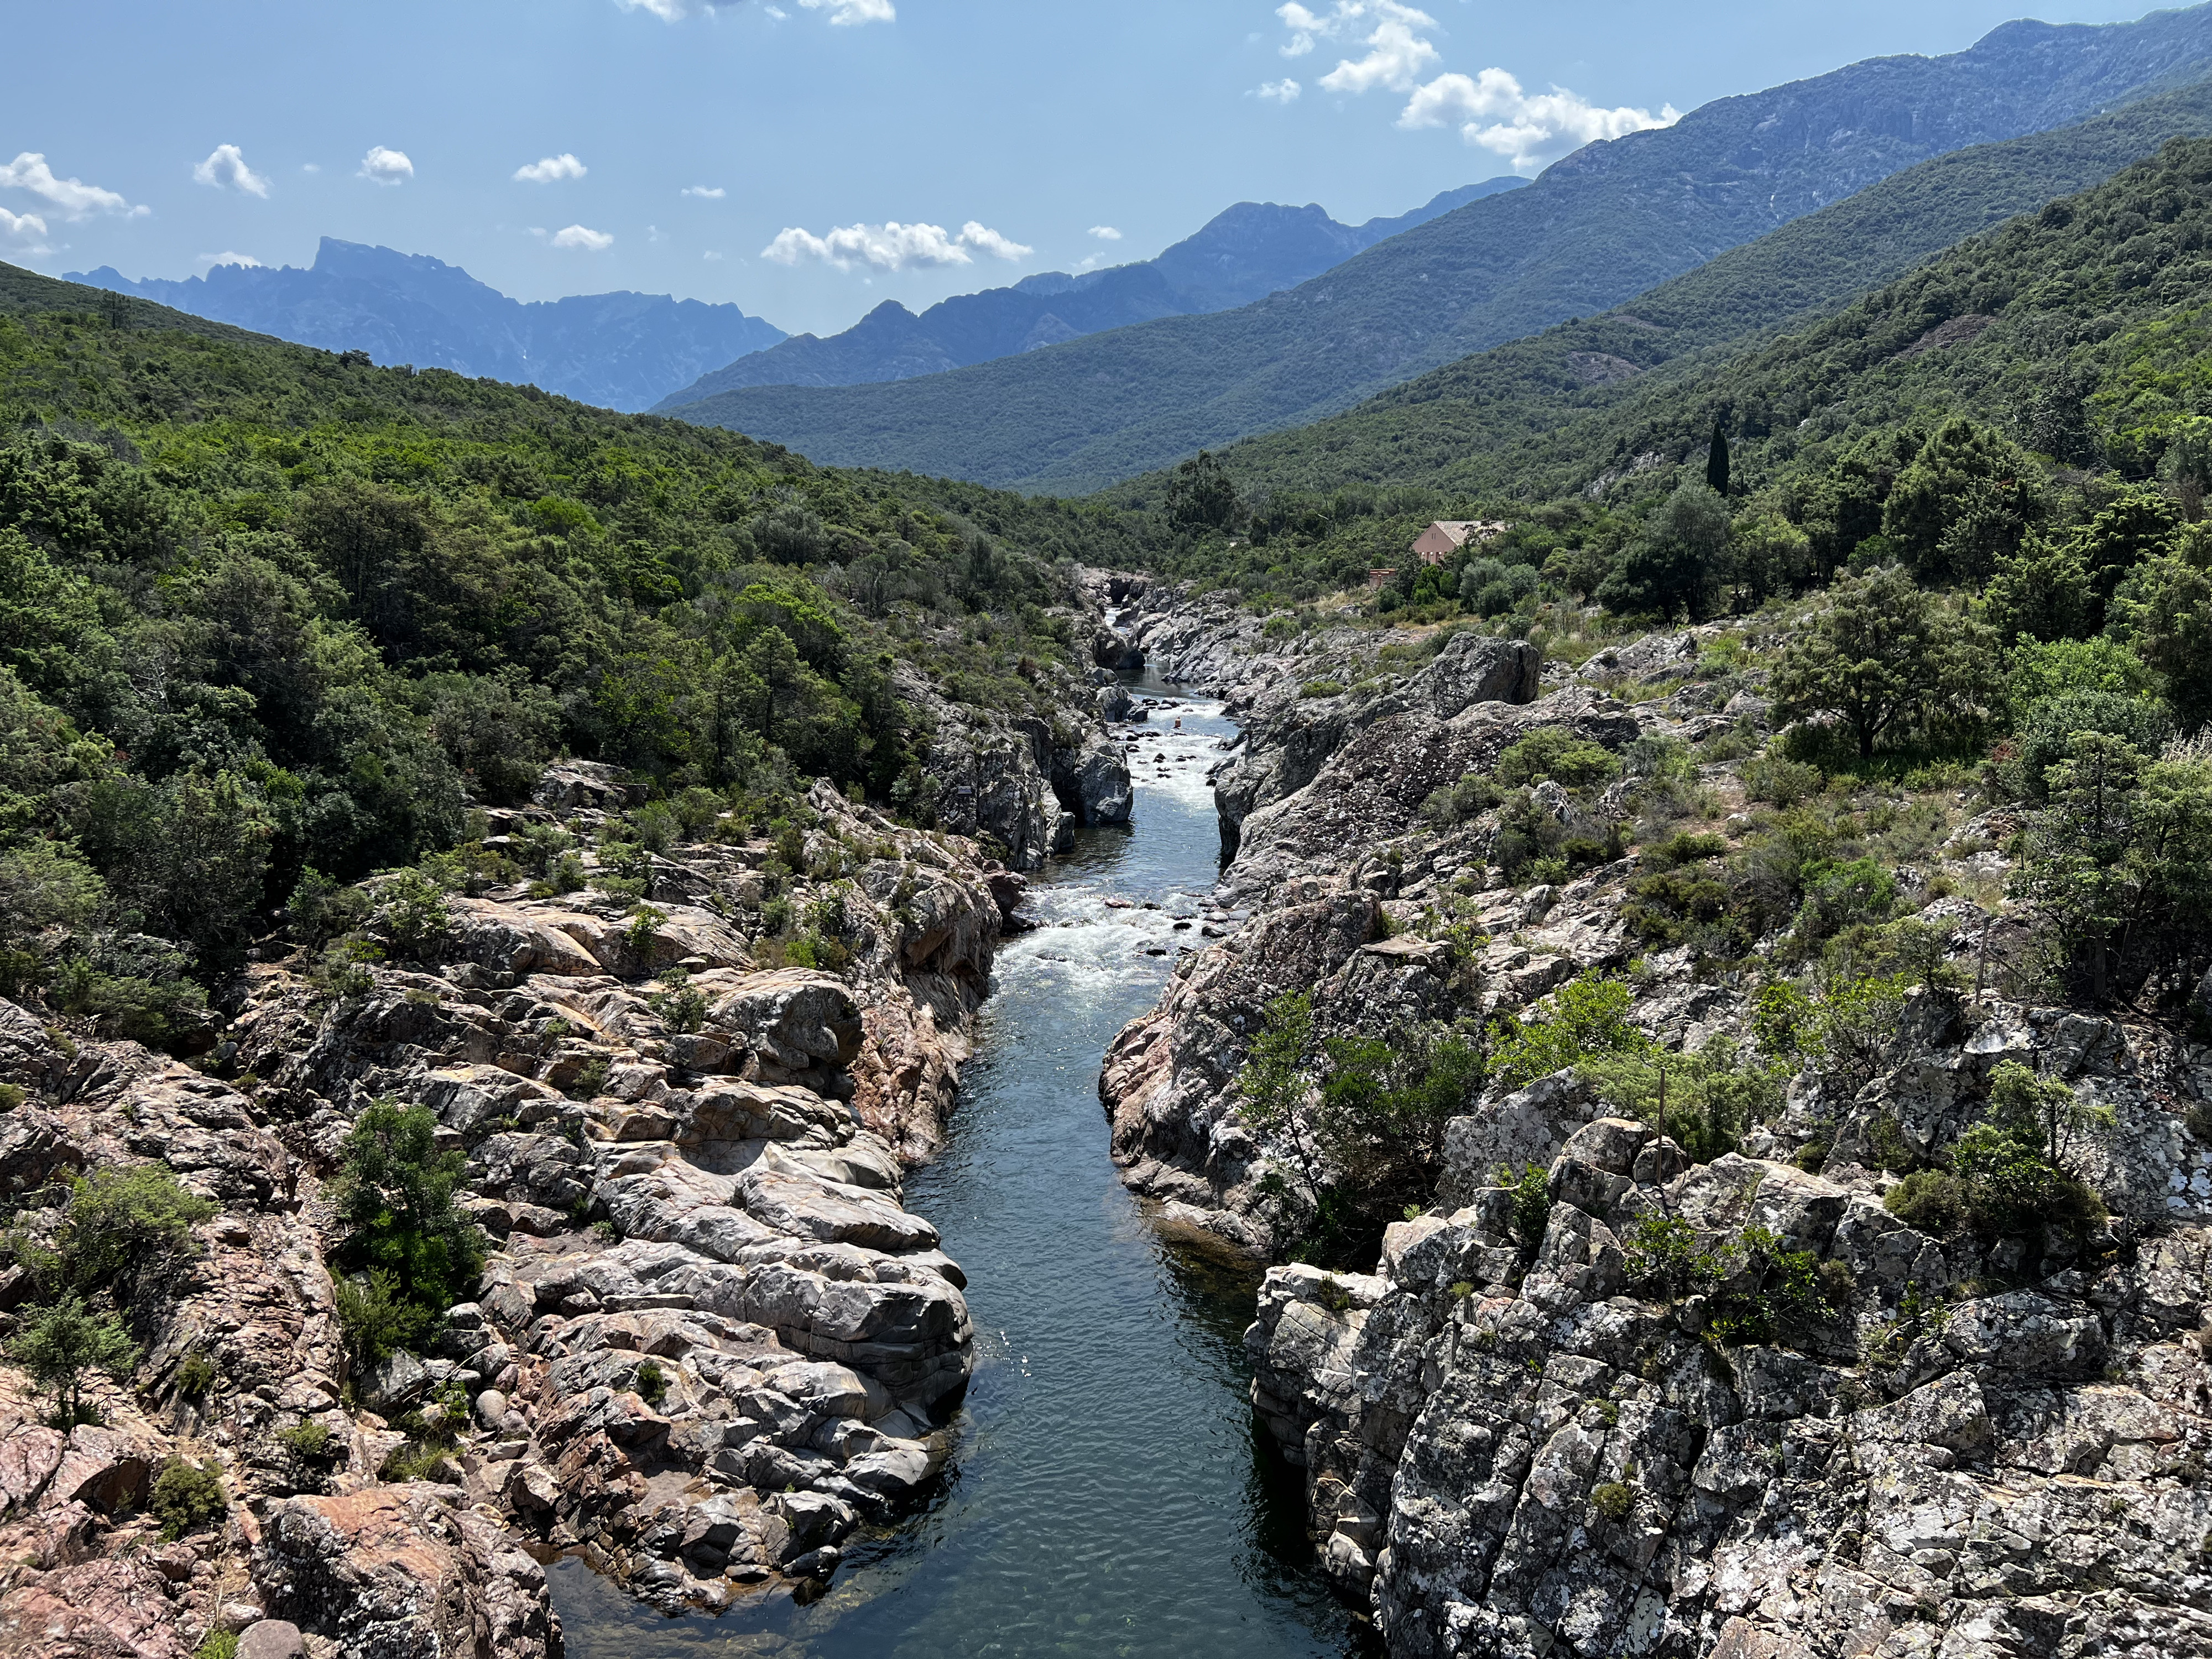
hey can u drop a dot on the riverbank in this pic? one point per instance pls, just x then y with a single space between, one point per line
1108 1491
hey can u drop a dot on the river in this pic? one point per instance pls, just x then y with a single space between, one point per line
1111 1495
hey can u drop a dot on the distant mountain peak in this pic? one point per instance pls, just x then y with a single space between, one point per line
619 349
1247 251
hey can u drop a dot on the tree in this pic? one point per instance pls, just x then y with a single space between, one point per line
2166 603
1967 498
2135 526
128 1232
1716 460
395 1192
1678 563
1201 497
1888 659
62 1345
2043 592
1767 555
2118 867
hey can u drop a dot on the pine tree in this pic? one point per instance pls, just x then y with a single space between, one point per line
1716 461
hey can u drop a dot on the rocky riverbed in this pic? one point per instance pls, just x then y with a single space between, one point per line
710 1341
1514 1440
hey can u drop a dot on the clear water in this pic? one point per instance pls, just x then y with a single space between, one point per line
1111 1494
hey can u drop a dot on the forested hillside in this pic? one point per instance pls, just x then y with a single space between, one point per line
1465 425
1609 221
270 617
2069 335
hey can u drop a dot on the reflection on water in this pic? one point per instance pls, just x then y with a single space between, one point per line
1111 1495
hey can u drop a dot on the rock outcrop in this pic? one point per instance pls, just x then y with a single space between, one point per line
709 1343
1531 1429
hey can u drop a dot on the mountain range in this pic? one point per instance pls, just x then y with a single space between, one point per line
619 351
1248 251
1608 223
1504 419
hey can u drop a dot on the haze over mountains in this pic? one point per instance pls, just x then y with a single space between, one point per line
1609 221
1248 251
620 350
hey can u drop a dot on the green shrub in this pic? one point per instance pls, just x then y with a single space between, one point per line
682 1006
411 912
1929 1201
1532 1204
126 1231
652 1384
60 1345
130 1007
217 1645
376 1317
1588 1015
187 1497
644 931
395 1194
1322 689
1613 1500
1683 848
1783 782
321 909
309 1441
196 1375
1558 755
11 1096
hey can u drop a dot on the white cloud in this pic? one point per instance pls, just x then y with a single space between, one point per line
211 260
225 166
386 166
311 166
984 239
704 192
855 11
669 11
1530 131
711 257
21 224
552 168
1285 91
592 241
1397 55
1106 233
892 247
76 198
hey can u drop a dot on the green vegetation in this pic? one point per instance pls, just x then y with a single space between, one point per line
1361 1120
1756 1291
2012 1173
62 1345
414 1254
271 619
187 1497
113 1261
1539 417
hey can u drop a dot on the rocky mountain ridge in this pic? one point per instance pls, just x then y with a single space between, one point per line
620 350
1239 255
1531 1429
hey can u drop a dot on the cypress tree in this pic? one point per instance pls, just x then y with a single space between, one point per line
1716 461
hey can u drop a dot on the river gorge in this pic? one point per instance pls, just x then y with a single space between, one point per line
1110 1492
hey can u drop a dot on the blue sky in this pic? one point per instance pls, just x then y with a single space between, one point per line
1004 136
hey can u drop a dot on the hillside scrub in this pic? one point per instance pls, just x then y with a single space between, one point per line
273 619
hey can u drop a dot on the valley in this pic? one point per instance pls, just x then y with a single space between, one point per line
1539 983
